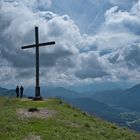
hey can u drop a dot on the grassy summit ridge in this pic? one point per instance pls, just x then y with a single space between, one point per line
67 123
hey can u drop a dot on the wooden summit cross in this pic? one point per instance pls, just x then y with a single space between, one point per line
37 45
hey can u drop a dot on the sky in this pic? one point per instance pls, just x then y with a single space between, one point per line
96 41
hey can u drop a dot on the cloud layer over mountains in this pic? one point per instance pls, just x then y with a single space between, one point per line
111 51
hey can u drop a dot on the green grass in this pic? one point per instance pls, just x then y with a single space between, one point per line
67 124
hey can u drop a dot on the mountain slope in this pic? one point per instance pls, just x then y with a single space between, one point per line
97 108
67 123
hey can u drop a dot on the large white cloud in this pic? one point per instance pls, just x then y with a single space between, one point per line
121 36
111 53
17 29
91 66
118 44
122 21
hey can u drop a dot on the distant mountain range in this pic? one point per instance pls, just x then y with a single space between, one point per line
129 99
2 90
61 92
6 92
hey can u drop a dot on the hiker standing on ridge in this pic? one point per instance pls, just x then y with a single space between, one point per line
21 91
17 91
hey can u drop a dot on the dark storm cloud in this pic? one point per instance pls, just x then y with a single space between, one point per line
91 67
25 73
18 58
25 59
50 59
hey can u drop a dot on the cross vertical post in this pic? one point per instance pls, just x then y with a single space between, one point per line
37 88
37 45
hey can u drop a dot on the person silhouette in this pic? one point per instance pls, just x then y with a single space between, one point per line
17 91
21 91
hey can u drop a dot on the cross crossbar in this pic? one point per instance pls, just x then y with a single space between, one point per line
40 44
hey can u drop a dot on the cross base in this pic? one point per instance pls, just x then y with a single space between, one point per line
37 94
37 91
38 98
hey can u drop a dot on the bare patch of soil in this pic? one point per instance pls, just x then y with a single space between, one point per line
41 113
32 137
70 123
